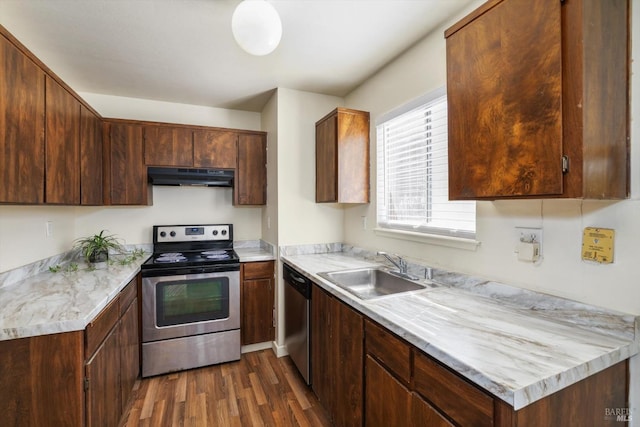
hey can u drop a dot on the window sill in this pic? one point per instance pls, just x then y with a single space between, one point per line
432 239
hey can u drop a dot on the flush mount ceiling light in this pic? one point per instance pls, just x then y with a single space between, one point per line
256 27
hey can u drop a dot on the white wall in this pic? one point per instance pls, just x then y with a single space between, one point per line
22 233
562 272
301 219
22 228
159 111
270 212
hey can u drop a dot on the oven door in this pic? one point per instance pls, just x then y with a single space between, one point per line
192 304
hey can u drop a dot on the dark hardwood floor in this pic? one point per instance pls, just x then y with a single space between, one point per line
258 390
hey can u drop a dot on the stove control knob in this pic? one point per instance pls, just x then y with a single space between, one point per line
163 234
173 234
224 232
215 232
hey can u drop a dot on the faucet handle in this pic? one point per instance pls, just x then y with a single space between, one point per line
428 273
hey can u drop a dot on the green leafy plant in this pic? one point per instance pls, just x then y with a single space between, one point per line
96 248
70 268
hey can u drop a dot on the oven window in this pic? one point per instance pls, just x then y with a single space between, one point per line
193 300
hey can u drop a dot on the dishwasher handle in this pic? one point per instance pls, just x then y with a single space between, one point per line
297 281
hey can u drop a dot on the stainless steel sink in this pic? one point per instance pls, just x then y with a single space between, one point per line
367 283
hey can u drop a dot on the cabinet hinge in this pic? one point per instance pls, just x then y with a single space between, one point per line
565 164
86 384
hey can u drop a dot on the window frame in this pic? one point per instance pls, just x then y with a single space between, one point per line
462 238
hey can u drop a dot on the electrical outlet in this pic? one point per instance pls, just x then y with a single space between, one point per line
48 228
529 235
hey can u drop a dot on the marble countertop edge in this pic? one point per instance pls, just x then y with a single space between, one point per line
517 396
96 289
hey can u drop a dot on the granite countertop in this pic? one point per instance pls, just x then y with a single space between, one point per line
49 303
519 345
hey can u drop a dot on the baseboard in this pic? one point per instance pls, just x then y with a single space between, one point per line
255 347
279 350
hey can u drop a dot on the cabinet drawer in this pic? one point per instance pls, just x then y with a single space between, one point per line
258 270
391 351
128 294
447 391
99 327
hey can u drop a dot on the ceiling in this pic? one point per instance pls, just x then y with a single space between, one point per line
183 50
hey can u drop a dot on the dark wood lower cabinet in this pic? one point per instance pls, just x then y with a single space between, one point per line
337 351
423 414
73 378
129 352
257 302
387 401
41 380
402 386
103 385
436 396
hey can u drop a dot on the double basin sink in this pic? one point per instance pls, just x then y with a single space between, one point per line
368 283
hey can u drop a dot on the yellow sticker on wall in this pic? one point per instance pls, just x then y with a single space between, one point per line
597 245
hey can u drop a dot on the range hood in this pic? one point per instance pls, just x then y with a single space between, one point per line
193 177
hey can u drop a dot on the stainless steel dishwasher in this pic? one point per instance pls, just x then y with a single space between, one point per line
297 296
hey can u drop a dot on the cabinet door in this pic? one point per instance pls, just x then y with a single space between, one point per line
348 371
168 146
342 157
251 173
91 185
504 89
129 352
257 311
214 149
322 349
128 183
327 160
423 414
102 371
62 182
21 127
41 380
387 401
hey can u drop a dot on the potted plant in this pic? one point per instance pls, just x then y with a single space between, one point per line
95 249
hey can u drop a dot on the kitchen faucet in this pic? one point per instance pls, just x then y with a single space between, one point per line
402 266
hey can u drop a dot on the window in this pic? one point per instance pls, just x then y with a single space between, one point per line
413 190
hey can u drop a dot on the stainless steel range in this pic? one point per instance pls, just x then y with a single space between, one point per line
190 299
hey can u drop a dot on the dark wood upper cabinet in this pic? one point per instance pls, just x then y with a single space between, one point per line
126 174
250 187
21 127
538 101
168 146
215 149
62 112
342 157
91 180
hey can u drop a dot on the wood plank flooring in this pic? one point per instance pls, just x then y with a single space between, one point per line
258 390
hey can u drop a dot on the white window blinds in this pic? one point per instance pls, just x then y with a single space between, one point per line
413 191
